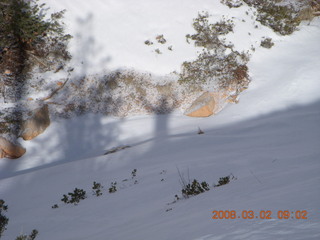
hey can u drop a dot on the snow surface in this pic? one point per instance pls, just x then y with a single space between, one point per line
269 141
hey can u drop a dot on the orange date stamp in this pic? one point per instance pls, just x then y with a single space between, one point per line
262 214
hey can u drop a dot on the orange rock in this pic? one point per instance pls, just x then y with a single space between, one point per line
10 150
37 124
207 104
203 106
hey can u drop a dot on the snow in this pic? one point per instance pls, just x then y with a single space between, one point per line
269 141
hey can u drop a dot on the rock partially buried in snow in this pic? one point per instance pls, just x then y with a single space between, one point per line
37 124
10 150
202 107
207 104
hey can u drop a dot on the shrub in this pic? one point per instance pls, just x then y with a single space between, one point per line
134 173
283 19
266 43
161 39
3 219
32 236
218 64
74 197
113 187
207 35
195 188
97 189
232 3
225 180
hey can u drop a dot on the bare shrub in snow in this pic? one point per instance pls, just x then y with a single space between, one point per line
232 3
161 39
122 93
266 43
218 64
281 16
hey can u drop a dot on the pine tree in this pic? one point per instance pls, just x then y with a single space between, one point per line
24 27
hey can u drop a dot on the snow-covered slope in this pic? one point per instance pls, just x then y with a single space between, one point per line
269 141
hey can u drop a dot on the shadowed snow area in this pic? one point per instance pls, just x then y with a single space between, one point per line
274 157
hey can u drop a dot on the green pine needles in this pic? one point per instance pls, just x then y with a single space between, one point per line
24 22
3 219
29 38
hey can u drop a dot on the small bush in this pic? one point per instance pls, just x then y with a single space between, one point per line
113 187
32 236
148 42
225 180
218 64
266 43
3 219
97 189
232 3
283 19
74 197
134 173
161 39
195 188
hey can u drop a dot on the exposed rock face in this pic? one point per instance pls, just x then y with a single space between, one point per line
37 124
10 150
203 106
207 104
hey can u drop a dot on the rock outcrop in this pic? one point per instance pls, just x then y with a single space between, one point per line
207 104
203 106
10 150
37 124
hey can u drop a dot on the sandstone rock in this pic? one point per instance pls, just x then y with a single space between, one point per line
37 124
207 104
10 150
203 106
